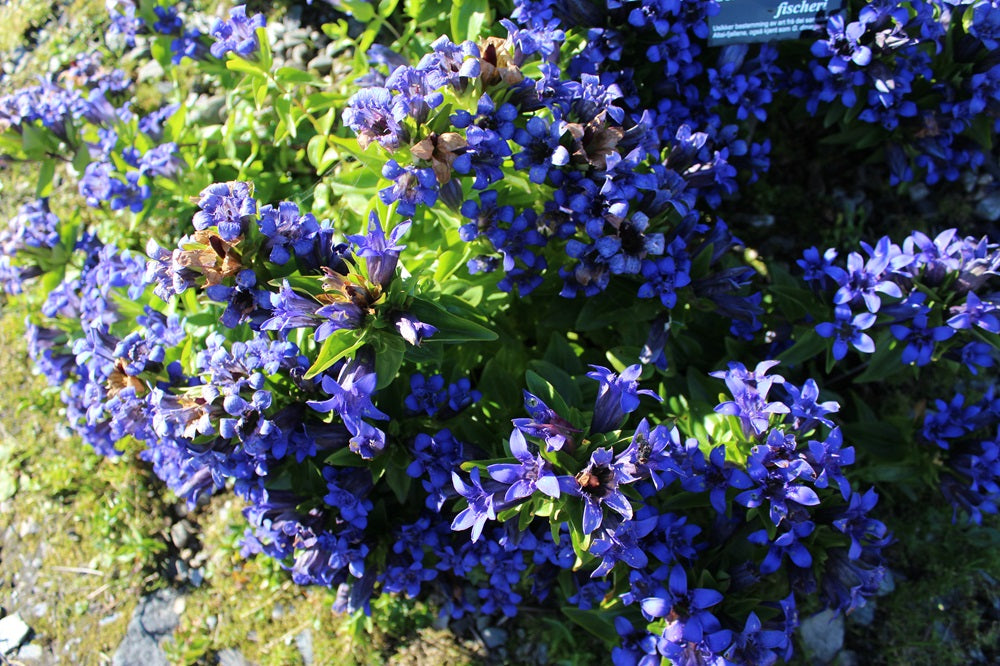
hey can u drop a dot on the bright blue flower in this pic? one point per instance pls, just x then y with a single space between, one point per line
847 329
480 508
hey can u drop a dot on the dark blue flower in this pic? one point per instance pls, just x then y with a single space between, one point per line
617 396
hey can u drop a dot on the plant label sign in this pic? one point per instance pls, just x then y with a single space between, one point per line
746 21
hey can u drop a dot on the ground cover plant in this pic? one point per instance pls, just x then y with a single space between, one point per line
460 319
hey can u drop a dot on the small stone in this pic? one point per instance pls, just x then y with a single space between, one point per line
150 71
823 635
989 208
863 616
299 53
29 652
196 577
918 192
846 658
494 637
104 621
180 533
887 585
304 642
762 221
13 631
321 63
296 37
231 657
212 621
154 619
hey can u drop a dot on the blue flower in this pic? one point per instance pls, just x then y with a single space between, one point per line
847 329
617 396
228 206
480 508
237 34
597 484
530 474
375 114
381 253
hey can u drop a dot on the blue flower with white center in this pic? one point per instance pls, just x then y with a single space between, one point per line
531 473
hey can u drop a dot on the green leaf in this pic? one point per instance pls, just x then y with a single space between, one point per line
35 141
452 327
808 345
237 64
597 622
293 75
389 352
359 9
45 177
468 18
339 344
886 361
315 149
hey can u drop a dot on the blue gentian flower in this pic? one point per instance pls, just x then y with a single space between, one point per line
375 114
238 34
480 507
381 252
531 473
597 484
227 206
617 396
847 329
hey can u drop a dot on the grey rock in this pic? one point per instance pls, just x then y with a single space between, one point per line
40 609
304 642
763 221
29 652
232 657
196 577
150 71
887 585
299 53
13 631
321 63
823 635
968 181
104 621
296 36
207 110
918 192
864 615
494 637
846 658
180 533
989 208
154 620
